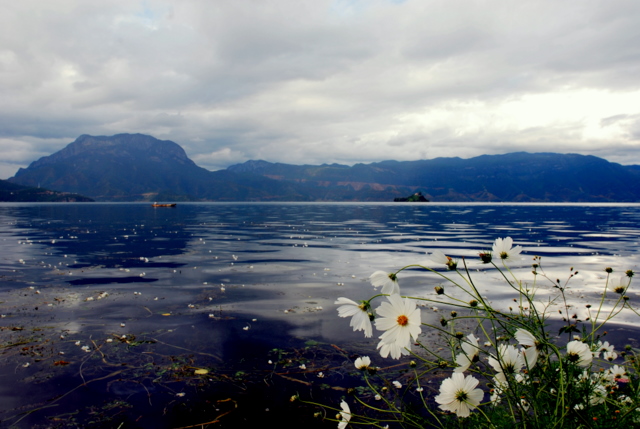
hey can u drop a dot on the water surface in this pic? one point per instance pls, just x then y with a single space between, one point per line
156 293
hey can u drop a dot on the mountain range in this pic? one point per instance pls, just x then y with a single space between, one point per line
137 167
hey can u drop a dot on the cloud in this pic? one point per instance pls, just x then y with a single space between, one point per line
18 153
326 80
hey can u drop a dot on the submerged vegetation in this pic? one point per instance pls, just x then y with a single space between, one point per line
154 380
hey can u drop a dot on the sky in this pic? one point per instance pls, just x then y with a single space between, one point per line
322 81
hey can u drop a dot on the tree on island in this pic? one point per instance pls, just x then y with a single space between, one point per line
415 198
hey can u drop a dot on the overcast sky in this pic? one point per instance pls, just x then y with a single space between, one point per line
322 81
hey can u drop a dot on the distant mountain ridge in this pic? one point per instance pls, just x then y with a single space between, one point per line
137 167
519 176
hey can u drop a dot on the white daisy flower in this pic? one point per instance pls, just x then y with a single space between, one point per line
530 357
527 339
605 348
388 281
616 372
363 362
579 353
470 351
400 319
345 415
397 384
502 248
459 395
509 361
392 349
619 285
440 258
360 320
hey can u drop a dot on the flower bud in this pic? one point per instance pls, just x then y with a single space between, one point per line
473 303
485 257
439 290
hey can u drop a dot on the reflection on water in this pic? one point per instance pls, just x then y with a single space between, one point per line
234 281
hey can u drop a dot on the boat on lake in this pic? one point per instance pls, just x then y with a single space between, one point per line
163 205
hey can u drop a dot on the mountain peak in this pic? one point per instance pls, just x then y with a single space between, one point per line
118 145
105 166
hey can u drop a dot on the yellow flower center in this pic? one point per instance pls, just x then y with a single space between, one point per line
461 395
403 320
573 357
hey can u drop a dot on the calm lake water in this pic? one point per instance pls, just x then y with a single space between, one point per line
208 313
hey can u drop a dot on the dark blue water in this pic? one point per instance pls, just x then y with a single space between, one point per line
221 286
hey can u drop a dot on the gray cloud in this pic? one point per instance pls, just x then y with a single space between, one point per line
323 81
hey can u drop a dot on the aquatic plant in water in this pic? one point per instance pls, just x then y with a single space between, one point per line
494 367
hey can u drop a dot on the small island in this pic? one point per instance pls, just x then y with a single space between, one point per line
415 198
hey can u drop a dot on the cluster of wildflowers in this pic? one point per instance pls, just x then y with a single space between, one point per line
511 369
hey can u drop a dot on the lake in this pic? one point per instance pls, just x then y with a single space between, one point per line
128 316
